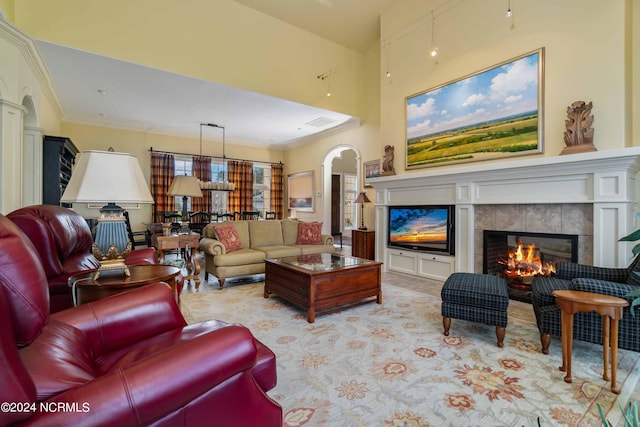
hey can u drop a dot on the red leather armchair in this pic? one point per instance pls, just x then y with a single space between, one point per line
126 360
63 241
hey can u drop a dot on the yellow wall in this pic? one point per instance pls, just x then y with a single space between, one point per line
138 143
221 41
591 54
587 58
365 139
6 6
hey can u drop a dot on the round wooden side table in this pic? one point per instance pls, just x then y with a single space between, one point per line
610 308
84 288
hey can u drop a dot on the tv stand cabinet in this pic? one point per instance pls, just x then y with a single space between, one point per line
422 264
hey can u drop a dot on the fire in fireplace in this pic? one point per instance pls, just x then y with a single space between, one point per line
520 256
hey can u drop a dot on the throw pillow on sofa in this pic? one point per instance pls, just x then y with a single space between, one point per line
228 236
309 233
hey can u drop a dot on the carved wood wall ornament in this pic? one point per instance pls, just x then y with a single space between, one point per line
387 161
578 136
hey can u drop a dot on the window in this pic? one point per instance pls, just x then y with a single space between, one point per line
261 188
350 195
219 199
183 166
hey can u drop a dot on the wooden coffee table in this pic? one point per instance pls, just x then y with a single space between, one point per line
607 306
323 283
85 288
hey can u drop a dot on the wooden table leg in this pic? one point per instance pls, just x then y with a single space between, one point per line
196 265
191 255
606 338
563 339
568 345
614 355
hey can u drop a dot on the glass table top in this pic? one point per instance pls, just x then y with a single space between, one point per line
322 262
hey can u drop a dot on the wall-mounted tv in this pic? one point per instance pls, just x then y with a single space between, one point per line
426 228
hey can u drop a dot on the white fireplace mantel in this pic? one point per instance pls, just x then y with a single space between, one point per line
605 179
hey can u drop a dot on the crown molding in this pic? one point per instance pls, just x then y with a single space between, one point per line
29 50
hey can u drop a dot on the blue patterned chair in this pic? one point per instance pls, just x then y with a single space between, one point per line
481 298
586 326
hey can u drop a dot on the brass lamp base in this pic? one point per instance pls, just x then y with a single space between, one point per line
112 262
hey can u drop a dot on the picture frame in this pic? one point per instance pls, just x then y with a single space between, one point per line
301 188
490 114
371 170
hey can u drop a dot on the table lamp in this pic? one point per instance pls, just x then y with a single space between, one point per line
185 186
108 177
362 199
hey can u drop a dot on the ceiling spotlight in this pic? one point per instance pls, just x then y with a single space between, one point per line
509 9
328 93
434 51
388 74
102 92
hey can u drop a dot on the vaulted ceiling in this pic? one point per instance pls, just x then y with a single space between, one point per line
135 97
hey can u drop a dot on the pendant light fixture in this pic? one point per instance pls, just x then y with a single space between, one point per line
223 185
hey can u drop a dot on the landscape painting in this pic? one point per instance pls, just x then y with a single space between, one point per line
490 114
301 190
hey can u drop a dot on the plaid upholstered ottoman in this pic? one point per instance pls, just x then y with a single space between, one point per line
477 298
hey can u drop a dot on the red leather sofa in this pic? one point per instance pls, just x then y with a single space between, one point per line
125 360
63 240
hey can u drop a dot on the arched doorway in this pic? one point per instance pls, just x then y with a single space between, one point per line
327 176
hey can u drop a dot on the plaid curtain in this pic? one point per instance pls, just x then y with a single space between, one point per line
241 174
201 169
162 173
277 190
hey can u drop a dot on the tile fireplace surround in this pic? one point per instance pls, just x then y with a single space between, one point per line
591 194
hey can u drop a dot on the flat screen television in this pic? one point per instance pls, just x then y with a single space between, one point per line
426 228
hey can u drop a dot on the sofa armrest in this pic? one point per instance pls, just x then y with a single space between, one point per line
212 246
572 270
604 287
123 319
326 239
168 382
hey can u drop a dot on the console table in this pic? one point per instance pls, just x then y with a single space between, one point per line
190 243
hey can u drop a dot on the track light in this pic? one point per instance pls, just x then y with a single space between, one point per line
434 48
509 9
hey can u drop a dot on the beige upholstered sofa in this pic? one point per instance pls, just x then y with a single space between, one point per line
260 240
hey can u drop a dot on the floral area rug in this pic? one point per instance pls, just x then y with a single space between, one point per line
390 365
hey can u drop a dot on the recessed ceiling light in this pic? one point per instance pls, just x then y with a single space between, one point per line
102 92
